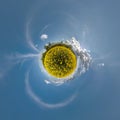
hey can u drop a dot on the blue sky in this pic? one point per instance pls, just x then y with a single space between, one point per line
94 23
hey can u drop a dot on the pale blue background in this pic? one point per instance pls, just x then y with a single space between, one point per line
99 96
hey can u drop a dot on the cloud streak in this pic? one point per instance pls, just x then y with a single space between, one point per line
19 56
29 39
5 67
9 61
40 102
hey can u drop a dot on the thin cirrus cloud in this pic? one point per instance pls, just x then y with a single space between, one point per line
40 102
28 37
9 61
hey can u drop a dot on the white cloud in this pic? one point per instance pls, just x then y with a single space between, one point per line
47 82
44 37
101 64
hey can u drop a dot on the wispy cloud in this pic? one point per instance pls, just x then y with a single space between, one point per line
19 56
9 61
5 67
40 102
29 39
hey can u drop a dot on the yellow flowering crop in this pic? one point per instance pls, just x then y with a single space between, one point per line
59 61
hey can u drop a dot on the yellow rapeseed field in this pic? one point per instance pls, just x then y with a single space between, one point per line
60 61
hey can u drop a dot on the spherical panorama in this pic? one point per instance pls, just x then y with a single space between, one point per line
64 60
59 60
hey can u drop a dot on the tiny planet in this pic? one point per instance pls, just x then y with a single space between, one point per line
59 60
64 60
